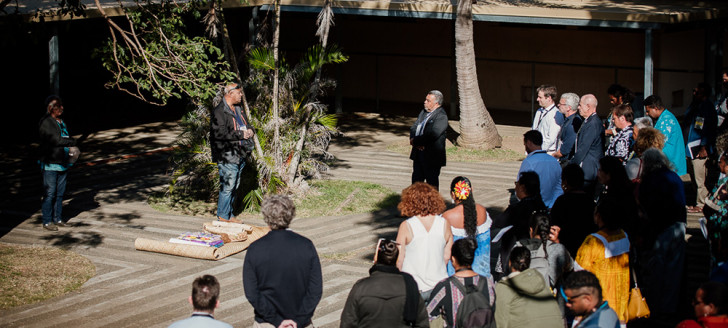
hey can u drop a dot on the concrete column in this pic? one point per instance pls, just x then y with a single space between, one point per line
713 57
53 62
648 89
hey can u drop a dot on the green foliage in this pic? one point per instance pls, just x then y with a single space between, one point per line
299 111
194 173
163 55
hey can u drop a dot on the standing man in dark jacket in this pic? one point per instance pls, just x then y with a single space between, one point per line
387 298
231 142
589 140
282 271
427 137
56 153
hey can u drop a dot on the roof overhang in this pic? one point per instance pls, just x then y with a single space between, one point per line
593 13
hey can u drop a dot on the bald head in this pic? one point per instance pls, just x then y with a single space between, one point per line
587 105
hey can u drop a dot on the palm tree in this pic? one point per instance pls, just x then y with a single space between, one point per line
477 128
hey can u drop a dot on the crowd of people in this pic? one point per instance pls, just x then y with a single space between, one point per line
599 205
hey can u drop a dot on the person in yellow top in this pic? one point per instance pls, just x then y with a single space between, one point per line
606 255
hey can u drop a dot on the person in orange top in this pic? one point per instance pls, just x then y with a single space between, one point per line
711 307
606 255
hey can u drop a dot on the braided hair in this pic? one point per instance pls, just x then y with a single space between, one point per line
463 191
541 225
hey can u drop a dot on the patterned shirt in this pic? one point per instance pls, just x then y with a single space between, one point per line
446 297
621 145
674 148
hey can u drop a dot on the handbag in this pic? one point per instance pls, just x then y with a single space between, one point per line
637 306
438 322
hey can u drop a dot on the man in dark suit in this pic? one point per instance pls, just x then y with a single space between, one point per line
427 137
588 148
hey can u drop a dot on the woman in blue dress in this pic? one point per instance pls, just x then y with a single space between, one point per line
468 219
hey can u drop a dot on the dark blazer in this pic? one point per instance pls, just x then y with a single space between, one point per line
225 137
589 147
567 135
51 142
433 138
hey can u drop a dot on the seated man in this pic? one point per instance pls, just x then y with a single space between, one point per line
583 295
204 300
282 272
387 298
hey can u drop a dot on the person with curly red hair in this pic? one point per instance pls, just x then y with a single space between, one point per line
426 236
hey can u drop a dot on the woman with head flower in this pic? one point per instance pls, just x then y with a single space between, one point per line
468 219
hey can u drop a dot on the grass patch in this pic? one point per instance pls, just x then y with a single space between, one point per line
32 274
459 154
325 198
339 197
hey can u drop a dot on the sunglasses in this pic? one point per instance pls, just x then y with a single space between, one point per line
571 299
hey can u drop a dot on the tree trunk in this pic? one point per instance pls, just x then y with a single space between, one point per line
325 20
477 128
276 115
233 61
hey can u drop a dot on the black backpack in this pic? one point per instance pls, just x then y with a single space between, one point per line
474 311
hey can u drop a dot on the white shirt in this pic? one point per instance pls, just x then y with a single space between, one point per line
545 122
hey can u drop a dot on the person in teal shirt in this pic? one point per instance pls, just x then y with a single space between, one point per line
56 158
666 123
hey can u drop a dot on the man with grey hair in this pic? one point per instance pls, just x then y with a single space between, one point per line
231 143
567 105
281 272
589 140
641 122
427 137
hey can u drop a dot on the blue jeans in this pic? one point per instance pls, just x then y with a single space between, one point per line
229 182
54 185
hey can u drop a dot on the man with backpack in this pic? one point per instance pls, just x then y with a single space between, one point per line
465 299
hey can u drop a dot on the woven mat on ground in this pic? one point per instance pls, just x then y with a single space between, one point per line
199 252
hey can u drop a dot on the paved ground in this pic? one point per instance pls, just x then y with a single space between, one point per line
106 202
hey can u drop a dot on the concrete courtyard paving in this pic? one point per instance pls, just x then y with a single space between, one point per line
106 204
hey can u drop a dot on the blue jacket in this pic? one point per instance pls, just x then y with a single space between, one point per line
567 135
604 317
549 174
